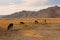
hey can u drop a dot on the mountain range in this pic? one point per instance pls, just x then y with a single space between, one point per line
50 12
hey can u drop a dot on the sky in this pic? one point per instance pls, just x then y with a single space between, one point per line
11 6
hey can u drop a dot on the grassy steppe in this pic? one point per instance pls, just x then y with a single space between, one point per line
30 30
28 21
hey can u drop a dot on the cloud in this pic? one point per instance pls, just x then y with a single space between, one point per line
11 6
34 2
5 10
22 2
54 2
8 2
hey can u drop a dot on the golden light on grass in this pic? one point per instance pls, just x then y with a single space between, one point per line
31 33
16 21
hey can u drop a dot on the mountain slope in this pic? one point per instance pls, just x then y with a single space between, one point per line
51 12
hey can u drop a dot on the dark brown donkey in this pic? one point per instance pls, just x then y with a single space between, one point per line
10 26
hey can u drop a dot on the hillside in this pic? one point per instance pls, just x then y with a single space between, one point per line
50 12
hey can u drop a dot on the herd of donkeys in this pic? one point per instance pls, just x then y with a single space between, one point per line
10 26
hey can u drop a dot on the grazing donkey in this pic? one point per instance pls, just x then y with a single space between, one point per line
10 26
22 23
45 21
36 22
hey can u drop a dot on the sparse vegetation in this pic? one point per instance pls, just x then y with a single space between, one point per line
31 28
28 21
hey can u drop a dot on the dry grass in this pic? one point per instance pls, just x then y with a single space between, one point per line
31 31
5 22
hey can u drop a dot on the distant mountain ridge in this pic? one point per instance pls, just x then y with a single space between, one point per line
50 12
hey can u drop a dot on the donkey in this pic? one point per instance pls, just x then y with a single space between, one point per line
36 22
22 23
10 26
